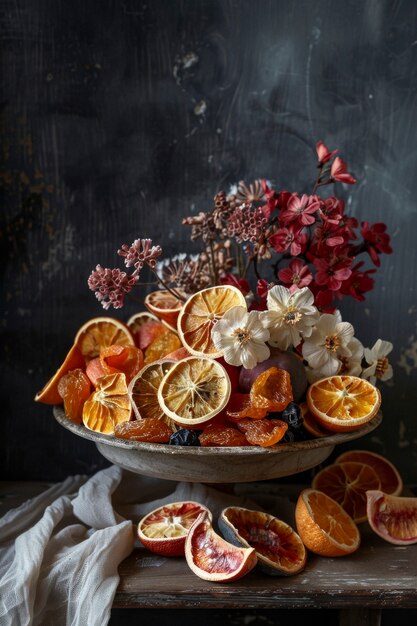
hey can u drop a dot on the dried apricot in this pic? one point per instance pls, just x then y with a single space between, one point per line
74 388
223 436
150 429
263 432
240 406
126 359
272 389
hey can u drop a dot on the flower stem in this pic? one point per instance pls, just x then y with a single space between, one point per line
175 293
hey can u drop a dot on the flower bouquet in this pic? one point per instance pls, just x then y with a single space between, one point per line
240 343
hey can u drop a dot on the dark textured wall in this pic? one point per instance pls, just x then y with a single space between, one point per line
118 118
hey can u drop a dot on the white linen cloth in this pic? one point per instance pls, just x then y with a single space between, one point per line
60 551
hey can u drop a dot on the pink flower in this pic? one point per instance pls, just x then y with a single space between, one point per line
240 283
111 286
291 238
300 210
358 283
328 234
323 153
376 240
141 252
296 275
331 210
332 272
339 172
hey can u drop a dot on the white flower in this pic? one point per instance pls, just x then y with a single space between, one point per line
328 343
290 316
352 365
379 366
241 336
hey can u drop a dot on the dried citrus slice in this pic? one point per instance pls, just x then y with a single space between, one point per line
165 342
347 483
310 424
108 405
50 394
138 322
343 403
165 306
194 390
393 518
143 390
324 526
99 333
152 430
391 481
74 388
165 529
200 312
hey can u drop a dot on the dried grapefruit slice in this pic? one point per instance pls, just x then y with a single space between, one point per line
213 558
391 481
108 405
50 394
343 403
393 518
99 333
324 526
165 306
199 314
279 548
143 390
347 483
164 530
194 390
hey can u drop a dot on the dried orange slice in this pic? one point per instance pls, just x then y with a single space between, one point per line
347 483
164 343
199 314
50 394
310 424
143 390
138 322
99 333
165 306
324 526
165 529
391 481
108 405
194 390
74 388
343 403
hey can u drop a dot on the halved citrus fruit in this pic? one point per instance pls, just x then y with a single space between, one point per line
143 390
165 306
49 394
213 558
165 529
391 481
324 526
279 549
393 518
108 405
343 403
74 389
310 424
194 390
347 483
199 314
99 333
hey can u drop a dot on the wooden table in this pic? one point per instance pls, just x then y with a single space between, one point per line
378 576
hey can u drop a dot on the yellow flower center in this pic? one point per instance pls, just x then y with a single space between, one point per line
332 343
381 367
242 335
292 316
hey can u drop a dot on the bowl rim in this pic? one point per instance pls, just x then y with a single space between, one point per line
279 448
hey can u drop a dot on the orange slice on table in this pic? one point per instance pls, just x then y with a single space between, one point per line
165 306
143 390
347 483
194 390
50 394
99 333
324 526
199 314
391 481
343 403
108 405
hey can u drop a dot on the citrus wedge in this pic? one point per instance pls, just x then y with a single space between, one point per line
391 481
343 403
324 526
50 394
143 390
194 390
199 314
165 529
108 405
165 306
393 518
99 333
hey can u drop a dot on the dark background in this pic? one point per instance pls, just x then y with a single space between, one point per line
120 118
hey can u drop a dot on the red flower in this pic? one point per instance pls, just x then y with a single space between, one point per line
300 209
296 275
331 210
291 238
328 234
323 152
358 283
376 240
333 272
323 298
339 172
240 283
